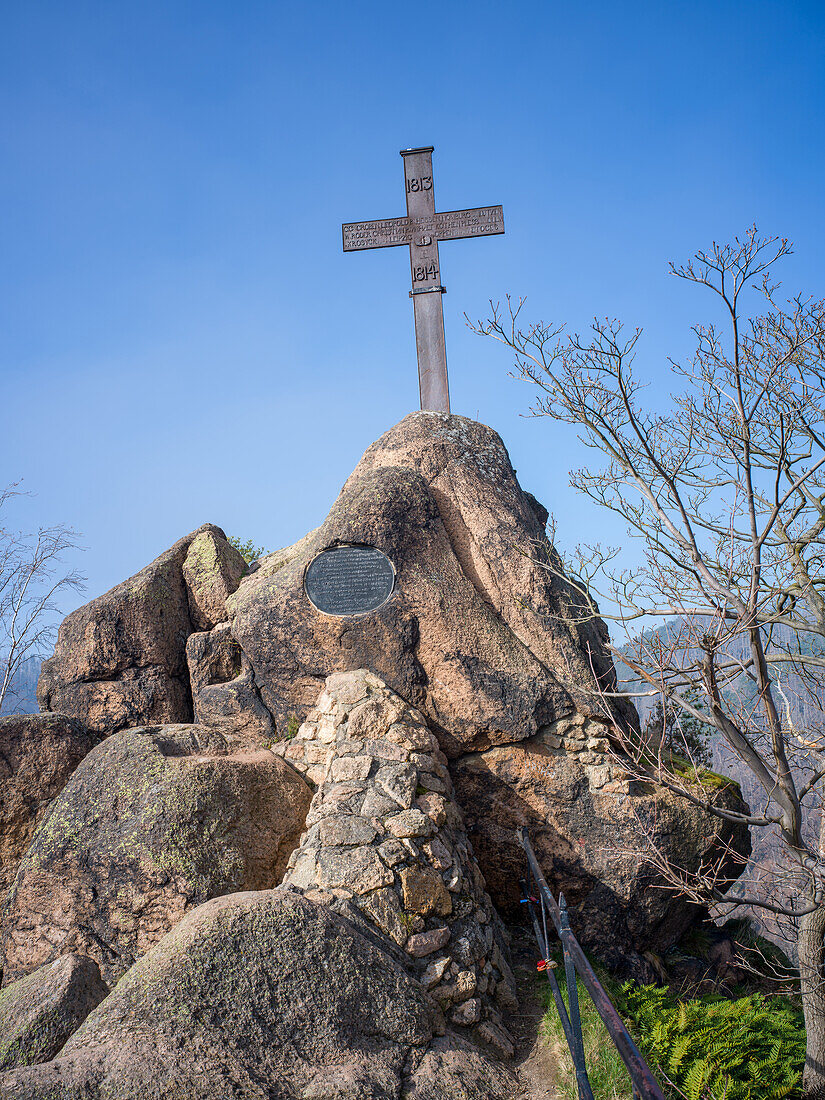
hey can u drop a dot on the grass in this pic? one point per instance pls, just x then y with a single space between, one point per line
605 1069
764 1039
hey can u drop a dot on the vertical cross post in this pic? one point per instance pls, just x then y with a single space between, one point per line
426 282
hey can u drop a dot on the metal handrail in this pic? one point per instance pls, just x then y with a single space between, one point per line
645 1086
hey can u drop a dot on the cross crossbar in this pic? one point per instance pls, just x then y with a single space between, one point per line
447 225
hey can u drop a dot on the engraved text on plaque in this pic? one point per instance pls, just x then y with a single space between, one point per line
349 580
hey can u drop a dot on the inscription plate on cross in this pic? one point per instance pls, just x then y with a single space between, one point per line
421 231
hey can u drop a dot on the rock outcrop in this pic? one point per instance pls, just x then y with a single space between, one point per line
121 660
481 633
587 822
154 821
261 995
212 570
38 1013
38 753
223 686
385 832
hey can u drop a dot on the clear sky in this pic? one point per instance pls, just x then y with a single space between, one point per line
182 339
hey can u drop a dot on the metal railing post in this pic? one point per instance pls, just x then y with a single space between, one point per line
577 1051
644 1084
549 967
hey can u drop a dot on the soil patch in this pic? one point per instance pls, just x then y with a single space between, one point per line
534 1061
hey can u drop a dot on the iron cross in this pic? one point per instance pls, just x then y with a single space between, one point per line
422 229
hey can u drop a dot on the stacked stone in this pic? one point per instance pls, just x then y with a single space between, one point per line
586 740
385 834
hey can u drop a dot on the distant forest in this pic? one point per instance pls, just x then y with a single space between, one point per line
21 698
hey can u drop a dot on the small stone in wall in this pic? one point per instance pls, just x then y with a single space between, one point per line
432 764
434 971
399 781
457 991
410 823
378 805
383 908
424 892
356 869
432 783
304 871
392 851
373 718
599 775
468 1013
342 830
350 767
386 750
434 806
438 854
425 943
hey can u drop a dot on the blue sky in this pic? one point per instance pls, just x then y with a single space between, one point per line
182 339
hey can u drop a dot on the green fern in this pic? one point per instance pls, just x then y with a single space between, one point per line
713 1048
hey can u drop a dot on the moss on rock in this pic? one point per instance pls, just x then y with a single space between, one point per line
38 1013
155 821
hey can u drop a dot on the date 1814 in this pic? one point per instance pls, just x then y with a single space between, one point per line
424 272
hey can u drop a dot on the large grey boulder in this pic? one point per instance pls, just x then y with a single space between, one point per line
38 1013
121 660
265 995
154 821
38 753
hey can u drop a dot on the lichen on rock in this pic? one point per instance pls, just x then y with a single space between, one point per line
154 821
259 995
39 1012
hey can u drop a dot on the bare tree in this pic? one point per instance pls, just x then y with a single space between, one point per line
31 579
724 492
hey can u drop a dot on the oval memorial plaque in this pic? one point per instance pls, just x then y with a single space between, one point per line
349 580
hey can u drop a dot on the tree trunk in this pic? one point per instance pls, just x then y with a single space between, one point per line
811 950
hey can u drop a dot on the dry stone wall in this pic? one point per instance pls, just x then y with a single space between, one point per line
385 834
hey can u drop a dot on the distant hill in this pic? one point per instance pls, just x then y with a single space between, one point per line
21 697
804 710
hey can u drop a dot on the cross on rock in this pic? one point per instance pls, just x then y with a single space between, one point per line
422 229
